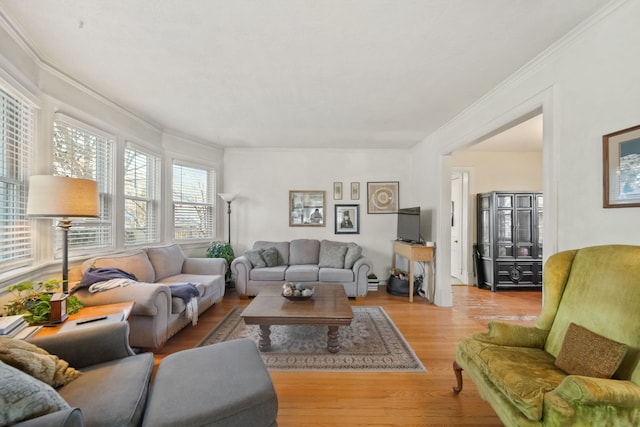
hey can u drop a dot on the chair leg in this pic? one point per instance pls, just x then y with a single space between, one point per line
458 371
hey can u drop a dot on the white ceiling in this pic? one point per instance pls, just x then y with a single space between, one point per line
294 73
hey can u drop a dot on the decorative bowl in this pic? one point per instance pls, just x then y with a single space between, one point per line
296 291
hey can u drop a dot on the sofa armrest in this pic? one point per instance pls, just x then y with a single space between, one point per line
144 295
361 269
205 266
64 418
89 346
509 334
241 267
588 391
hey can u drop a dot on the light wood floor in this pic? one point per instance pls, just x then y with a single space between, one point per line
391 399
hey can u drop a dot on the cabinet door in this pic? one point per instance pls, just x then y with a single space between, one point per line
539 223
504 225
484 225
524 238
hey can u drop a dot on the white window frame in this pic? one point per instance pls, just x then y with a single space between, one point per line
205 208
17 142
100 232
148 196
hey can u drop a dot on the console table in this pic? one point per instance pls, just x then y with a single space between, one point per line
413 253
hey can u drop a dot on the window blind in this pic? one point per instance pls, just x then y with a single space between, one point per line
80 151
141 190
17 124
193 202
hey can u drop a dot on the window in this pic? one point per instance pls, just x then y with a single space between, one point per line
80 151
193 209
16 139
141 204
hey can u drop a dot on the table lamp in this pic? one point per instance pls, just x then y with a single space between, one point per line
63 197
228 197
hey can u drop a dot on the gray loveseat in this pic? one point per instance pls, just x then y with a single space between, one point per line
116 386
302 260
157 315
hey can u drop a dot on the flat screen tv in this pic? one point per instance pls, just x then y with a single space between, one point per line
409 225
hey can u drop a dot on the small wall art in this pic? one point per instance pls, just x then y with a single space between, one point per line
347 219
355 191
621 168
337 191
382 197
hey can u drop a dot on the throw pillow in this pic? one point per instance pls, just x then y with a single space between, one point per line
23 397
353 254
36 362
255 258
589 354
271 257
332 256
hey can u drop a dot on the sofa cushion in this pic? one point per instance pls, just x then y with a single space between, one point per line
522 374
268 273
136 263
341 275
36 362
121 383
167 261
271 257
354 253
304 251
23 397
588 354
255 258
332 256
302 273
281 247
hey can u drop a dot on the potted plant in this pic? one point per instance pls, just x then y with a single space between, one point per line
222 250
33 300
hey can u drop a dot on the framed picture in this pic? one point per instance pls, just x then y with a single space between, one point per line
347 219
337 191
621 168
306 208
382 197
355 191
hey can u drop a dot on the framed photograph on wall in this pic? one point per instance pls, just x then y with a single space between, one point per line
337 191
347 218
306 208
621 168
382 197
355 191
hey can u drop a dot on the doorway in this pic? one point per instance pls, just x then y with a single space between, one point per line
459 226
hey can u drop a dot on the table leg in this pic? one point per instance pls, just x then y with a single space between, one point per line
265 338
333 345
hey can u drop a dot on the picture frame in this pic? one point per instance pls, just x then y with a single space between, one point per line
337 191
383 197
355 191
347 219
306 208
621 167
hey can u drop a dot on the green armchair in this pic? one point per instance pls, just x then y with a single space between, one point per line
580 364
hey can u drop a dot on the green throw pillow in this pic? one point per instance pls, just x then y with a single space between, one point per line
589 354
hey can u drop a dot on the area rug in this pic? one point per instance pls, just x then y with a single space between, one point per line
371 343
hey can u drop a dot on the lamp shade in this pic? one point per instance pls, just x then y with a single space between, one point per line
63 197
227 197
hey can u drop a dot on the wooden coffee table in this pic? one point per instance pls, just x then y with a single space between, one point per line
329 306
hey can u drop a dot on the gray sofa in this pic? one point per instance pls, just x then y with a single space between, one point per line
157 315
302 260
116 386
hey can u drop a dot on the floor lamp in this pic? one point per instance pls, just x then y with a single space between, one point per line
63 197
228 197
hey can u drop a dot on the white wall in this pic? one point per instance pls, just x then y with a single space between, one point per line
263 178
587 86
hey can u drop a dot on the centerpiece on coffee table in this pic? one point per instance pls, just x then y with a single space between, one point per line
296 291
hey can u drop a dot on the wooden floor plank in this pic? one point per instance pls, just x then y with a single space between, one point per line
381 399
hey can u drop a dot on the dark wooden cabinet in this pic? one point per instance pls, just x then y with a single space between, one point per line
510 239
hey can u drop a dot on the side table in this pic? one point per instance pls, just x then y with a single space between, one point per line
90 312
414 253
